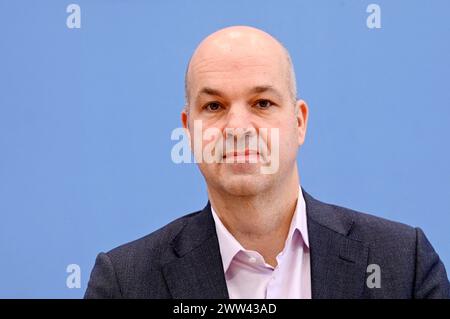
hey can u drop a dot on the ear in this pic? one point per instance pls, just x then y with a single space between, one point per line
302 120
184 119
185 123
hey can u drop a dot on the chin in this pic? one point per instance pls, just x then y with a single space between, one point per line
244 185
238 179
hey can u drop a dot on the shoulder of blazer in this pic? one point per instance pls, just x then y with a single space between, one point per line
358 225
156 248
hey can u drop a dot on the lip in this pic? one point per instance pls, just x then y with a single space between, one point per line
245 153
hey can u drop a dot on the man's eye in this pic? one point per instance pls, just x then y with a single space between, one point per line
214 106
264 104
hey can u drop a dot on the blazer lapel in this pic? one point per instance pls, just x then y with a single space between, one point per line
196 271
338 262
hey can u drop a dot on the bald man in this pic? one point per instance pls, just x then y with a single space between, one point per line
261 235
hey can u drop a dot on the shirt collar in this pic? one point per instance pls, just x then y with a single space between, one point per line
229 246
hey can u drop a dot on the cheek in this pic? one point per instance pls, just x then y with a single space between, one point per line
287 128
202 135
288 139
211 135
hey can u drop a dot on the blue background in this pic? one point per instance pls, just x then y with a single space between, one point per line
86 116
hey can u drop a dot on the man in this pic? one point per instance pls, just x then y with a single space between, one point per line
261 235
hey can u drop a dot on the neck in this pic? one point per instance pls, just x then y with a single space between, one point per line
259 222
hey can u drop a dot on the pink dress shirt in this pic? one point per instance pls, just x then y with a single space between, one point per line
247 274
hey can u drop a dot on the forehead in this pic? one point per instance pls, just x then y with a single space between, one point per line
237 71
237 57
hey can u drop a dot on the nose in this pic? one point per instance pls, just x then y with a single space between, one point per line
239 121
239 131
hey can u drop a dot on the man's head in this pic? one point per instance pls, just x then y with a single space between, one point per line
242 78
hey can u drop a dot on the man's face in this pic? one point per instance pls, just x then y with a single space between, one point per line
251 92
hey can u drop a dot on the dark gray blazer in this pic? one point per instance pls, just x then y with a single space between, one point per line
182 259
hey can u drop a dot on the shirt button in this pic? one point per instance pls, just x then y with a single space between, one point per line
252 260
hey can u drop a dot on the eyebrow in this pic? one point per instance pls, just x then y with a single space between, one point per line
265 88
210 91
256 89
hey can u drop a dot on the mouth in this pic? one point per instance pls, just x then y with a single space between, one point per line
242 154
